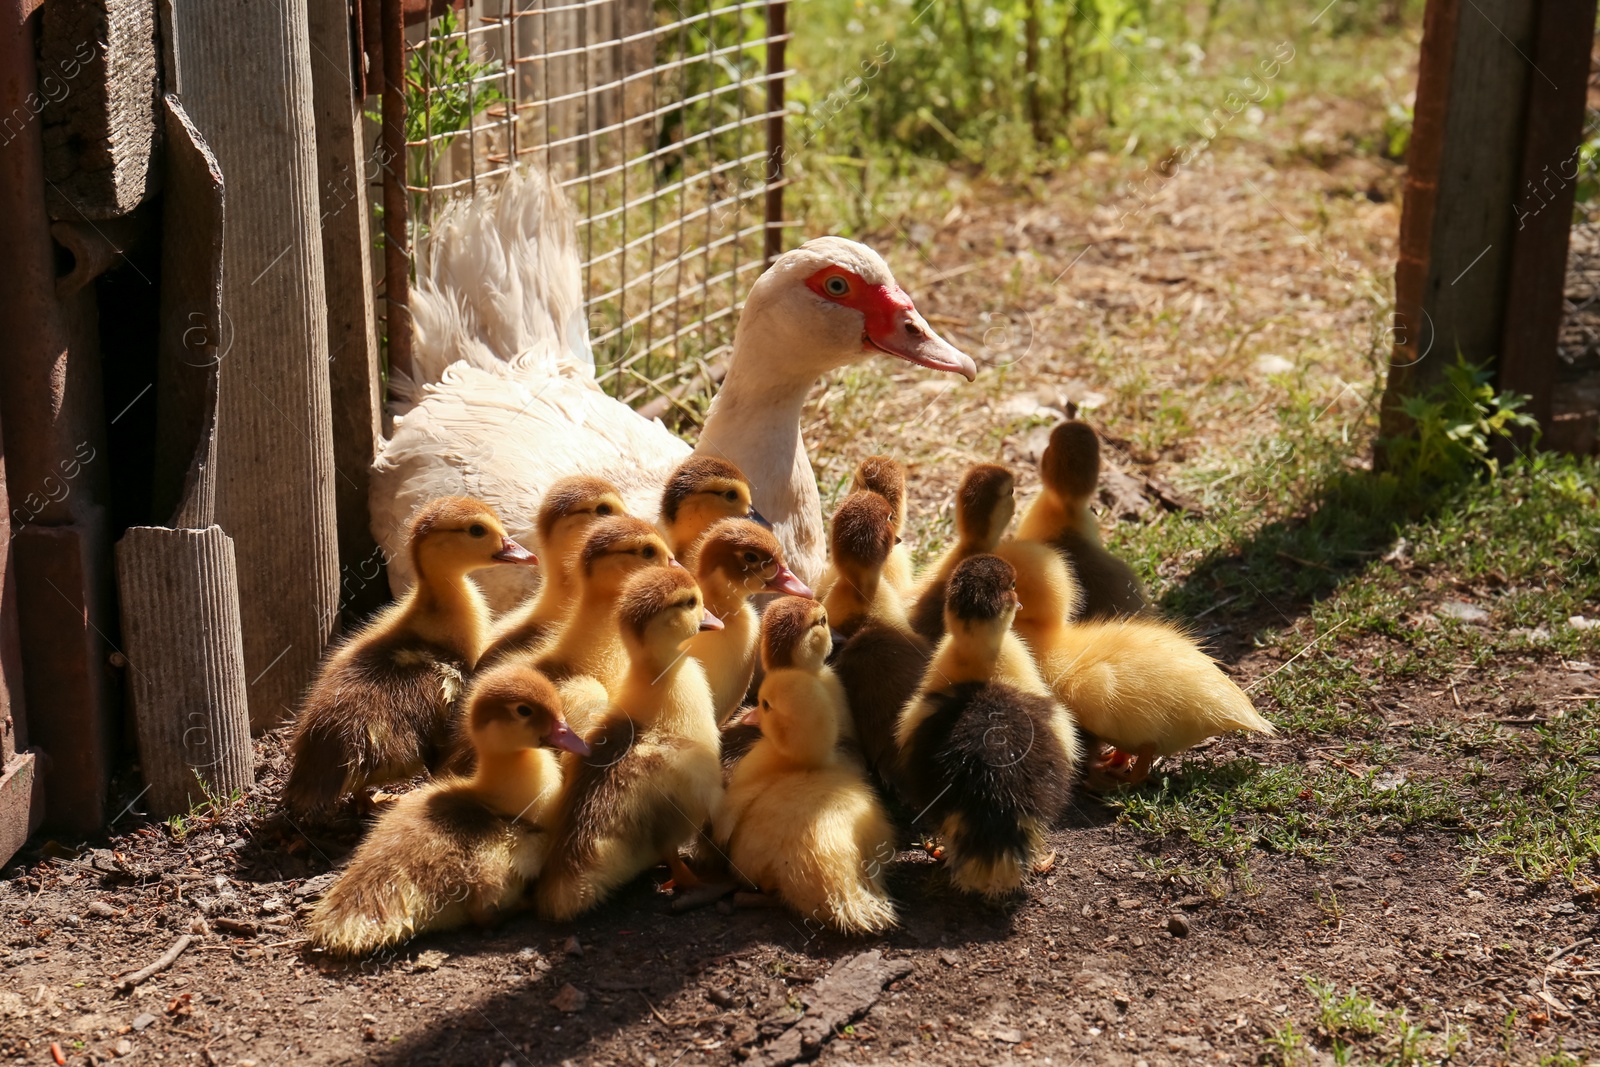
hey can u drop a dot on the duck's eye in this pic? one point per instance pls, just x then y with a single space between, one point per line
648 552
731 496
602 509
836 286
525 711
750 557
477 529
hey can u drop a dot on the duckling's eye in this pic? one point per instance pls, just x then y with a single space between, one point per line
648 552
525 711
750 557
836 286
731 496
602 509
477 529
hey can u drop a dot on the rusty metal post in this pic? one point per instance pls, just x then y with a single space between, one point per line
777 38
396 209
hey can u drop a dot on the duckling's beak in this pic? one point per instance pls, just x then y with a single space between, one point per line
894 327
756 517
752 716
563 737
784 581
672 561
709 621
511 552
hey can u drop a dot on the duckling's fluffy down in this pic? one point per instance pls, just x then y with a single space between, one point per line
1141 683
438 859
818 838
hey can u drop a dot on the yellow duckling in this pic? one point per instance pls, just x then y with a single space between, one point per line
701 492
882 661
380 709
1139 684
1061 517
458 850
654 780
734 560
586 658
800 822
1042 610
569 509
886 477
796 639
986 751
985 503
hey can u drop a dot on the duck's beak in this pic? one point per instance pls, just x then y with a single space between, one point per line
672 561
709 621
784 581
752 716
511 552
759 519
839 638
897 329
563 737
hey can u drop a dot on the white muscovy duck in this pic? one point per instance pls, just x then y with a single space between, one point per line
503 398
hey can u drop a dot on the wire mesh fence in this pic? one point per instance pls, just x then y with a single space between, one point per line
664 124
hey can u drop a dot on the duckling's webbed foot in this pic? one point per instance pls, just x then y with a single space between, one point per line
1112 768
682 877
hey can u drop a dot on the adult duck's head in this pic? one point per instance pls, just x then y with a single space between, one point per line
832 302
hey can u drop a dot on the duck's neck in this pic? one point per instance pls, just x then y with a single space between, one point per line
515 784
1050 514
970 655
446 609
754 423
589 641
558 588
724 599
857 597
668 693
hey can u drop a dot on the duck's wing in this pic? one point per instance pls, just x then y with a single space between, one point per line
504 438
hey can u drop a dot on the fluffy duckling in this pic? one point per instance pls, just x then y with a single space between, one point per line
985 750
654 780
458 850
701 492
734 560
1139 684
886 477
569 509
380 709
802 823
796 639
985 503
883 659
1061 517
1050 596
587 658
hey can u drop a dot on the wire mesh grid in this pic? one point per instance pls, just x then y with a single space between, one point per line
663 122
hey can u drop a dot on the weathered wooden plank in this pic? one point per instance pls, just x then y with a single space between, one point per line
180 629
1463 168
1553 122
354 379
244 75
99 73
21 789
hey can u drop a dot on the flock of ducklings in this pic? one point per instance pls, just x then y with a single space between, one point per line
602 728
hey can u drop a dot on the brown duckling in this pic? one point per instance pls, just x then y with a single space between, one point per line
985 503
733 561
381 707
882 661
702 491
796 637
886 477
801 822
1139 684
1061 517
654 780
986 751
458 850
586 658
570 507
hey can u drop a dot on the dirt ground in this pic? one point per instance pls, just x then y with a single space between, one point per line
1134 950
